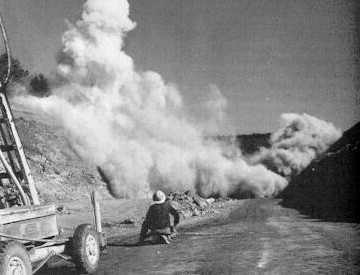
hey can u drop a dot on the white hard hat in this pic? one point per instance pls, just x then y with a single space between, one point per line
159 197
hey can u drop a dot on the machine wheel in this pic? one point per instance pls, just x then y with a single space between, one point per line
85 248
14 260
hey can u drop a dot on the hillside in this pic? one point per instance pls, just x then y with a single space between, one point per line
329 187
58 172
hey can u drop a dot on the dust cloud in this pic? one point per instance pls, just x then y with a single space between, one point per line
132 124
299 140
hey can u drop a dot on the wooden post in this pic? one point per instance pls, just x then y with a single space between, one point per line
97 217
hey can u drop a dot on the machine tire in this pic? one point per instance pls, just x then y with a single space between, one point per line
85 248
13 257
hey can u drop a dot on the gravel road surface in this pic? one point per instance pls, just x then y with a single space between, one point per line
258 237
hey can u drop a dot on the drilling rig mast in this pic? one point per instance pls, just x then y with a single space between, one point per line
17 172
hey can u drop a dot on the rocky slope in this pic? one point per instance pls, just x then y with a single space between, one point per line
58 172
329 188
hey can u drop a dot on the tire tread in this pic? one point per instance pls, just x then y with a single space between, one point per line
77 245
5 247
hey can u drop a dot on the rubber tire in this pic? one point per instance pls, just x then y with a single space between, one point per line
78 246
9 249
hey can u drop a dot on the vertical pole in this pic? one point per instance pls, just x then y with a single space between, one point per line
95 203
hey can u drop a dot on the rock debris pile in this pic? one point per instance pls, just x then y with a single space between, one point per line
190 205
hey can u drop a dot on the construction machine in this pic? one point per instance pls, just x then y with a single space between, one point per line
29 233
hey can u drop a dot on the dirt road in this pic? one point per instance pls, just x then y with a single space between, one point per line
258 237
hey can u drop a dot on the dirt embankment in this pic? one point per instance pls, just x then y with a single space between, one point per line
329 188
59 174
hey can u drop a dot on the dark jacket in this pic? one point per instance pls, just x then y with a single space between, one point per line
158 217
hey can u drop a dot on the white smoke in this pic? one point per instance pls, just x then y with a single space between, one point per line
300 139
215 111
132 124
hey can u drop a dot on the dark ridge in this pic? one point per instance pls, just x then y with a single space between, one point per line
349 137
329 188
248 144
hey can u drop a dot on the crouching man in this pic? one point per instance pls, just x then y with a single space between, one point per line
158 221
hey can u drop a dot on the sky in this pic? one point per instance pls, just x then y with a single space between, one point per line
267 57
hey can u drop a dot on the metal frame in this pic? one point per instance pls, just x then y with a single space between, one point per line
12 131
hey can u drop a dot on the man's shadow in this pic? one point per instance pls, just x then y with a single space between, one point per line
133 242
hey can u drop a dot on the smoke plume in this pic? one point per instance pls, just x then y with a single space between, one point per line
133 127
215 111
132 124
300 139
